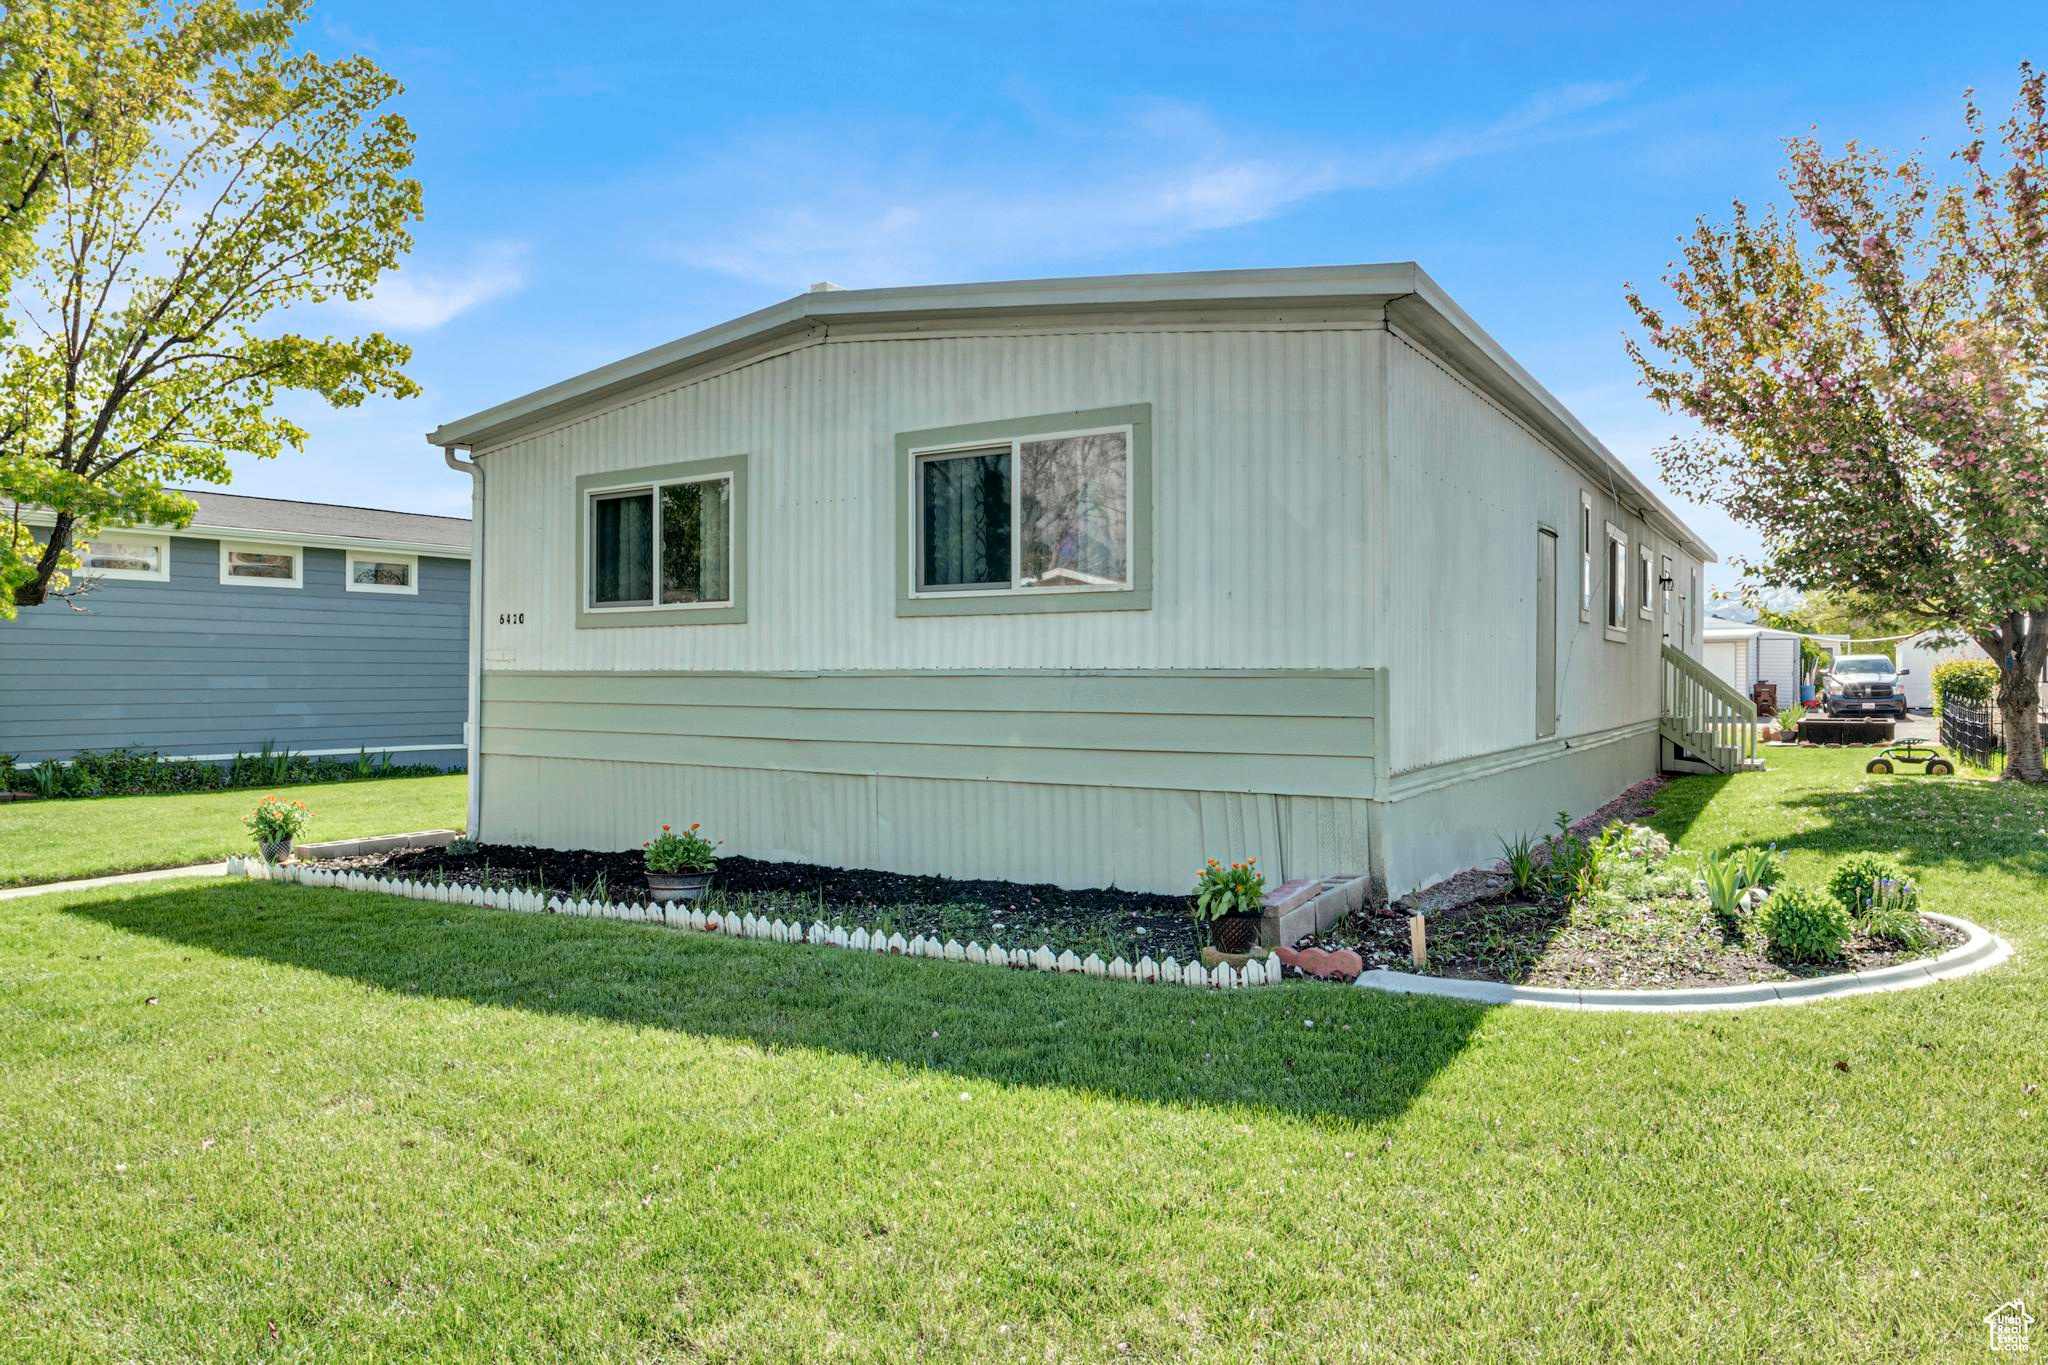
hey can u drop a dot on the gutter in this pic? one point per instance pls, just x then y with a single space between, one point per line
472 720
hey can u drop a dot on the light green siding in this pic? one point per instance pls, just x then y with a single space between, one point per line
1076 778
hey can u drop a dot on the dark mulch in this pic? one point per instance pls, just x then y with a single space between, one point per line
1103 920
1653 945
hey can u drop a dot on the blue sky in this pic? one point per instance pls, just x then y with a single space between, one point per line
602 178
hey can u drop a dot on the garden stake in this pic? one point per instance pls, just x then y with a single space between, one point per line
1418 945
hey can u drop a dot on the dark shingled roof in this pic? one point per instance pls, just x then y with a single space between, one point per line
324 520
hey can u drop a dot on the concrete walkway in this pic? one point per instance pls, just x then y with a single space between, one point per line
88 883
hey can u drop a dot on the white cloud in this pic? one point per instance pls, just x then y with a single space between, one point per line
922 205
413 299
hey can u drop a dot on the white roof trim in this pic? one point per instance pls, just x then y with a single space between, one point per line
1412 300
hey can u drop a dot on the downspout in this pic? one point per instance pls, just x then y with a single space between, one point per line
472 721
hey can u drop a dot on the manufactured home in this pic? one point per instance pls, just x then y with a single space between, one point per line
1079 581
322 629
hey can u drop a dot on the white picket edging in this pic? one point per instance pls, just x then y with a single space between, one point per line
751 926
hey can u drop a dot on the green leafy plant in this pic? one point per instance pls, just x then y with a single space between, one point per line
1721 875
1525 871
1760 866
1855 880
1971 682
49 779
277 820
1235 890
1804 926
460 848
1892 916
690 851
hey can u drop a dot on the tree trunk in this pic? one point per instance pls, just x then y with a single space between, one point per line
36 591
2019 700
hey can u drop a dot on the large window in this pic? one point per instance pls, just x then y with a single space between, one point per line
664 545
1039 514
1617 582
127 554
375 571
261 566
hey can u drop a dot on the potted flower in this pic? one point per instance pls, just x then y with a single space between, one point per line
275 825
1230 900
679 866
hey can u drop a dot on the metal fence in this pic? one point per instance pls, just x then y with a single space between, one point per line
1976 733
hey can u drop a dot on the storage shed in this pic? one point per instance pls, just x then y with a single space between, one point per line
1077 580
1744 655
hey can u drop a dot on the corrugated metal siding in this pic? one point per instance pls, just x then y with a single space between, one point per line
1259 484
1134 838
1468 487
192 666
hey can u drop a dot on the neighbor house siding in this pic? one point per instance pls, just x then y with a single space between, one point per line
193 666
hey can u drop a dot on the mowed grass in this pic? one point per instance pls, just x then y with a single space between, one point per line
49 841
243 1120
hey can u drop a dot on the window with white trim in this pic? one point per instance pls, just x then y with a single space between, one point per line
262 566
376 571
1643 599
1617 579
664 545
1044 513
1585 555
126 555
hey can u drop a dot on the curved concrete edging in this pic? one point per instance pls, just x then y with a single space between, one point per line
1979 951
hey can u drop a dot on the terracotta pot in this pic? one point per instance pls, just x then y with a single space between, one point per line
1236 933
665 888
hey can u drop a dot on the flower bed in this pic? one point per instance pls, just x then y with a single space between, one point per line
1107 922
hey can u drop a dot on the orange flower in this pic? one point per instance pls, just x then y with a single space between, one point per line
664 829
695 826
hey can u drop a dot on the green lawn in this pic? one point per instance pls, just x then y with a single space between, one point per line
49 841
246 1120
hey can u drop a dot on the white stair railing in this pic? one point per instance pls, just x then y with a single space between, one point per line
1705 716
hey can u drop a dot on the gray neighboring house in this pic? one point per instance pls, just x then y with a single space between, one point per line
324 629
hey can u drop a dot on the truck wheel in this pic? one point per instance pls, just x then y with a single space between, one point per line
1940 767
1878 765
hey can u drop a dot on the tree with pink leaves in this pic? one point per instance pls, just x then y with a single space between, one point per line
1869 375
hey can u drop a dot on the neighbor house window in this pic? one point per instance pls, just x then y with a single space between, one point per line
372 571
1585 556
665 545
1643 587
1617 581
268 566
127 554
1036 514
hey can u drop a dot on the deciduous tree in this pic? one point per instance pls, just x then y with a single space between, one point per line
1869 372
174 179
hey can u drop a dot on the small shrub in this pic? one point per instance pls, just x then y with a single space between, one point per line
1967 682
460 848
1235 890
1803 925
689 851
1855 880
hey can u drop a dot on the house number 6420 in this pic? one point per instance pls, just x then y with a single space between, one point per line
511 618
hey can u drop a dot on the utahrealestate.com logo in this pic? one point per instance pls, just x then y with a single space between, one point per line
2007 1324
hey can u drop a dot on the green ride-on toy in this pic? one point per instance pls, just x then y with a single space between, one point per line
1912 752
